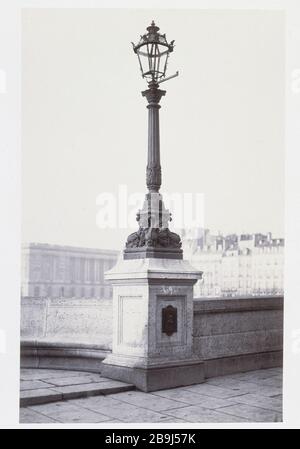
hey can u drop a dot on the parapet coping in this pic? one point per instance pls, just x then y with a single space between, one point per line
240 304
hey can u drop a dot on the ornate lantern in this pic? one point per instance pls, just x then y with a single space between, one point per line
153 52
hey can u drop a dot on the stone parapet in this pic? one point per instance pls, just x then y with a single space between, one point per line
230 335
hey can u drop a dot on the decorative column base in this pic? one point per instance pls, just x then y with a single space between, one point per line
153 324
153 239
152 252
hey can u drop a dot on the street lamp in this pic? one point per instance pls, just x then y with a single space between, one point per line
153 297
153 238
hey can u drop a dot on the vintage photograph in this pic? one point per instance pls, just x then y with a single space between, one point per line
153 241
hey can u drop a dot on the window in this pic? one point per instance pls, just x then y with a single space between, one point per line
92 270
72 269
97 271
36 292
82 273
87 270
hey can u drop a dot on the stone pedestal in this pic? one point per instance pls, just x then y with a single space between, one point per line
153 324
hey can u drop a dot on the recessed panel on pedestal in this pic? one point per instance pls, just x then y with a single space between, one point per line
131 319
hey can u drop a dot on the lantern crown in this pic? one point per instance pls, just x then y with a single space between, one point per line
153 52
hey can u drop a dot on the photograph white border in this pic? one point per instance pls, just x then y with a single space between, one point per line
10 179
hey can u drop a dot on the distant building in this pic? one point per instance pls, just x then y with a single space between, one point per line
236 265
55 271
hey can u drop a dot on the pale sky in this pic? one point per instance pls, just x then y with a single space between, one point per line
85 121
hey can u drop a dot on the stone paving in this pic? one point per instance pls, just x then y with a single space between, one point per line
41 386
255 396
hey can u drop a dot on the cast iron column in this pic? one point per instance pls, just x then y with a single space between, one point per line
153 239
153 177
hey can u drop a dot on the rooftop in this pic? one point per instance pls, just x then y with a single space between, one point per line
54 247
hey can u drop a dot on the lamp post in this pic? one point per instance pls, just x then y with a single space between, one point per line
153 238
152 285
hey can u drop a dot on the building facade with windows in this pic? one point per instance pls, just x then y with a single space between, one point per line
236 265
54 271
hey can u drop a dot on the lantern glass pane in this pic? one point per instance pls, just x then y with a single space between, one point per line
144 64
156 55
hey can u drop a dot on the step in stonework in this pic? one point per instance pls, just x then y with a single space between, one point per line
59 388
